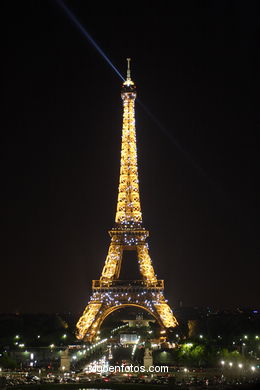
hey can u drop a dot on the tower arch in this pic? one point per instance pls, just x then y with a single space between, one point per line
112 309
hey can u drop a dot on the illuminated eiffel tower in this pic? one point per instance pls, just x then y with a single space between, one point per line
109 293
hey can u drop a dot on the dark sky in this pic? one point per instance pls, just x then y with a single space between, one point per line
197 72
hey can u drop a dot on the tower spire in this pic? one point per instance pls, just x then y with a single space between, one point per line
128 82
128 78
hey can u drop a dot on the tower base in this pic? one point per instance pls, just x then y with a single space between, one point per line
110 296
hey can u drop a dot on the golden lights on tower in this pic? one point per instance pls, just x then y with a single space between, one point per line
109 293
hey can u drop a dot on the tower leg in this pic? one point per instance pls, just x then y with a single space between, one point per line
112 265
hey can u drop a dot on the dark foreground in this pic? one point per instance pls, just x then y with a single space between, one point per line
134 386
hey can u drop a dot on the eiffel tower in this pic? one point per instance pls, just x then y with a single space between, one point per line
109 293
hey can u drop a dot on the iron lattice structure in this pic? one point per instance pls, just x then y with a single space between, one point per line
109 293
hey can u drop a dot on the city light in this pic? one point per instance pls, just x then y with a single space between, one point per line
135 345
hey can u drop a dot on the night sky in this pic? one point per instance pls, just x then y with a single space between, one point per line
196 69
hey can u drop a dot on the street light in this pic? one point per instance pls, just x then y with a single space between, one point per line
222 362
230 364
240 365
253 368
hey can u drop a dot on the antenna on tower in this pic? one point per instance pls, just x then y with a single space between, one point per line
128 69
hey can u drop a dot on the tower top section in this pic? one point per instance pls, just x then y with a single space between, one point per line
128 69
128 204
128 85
